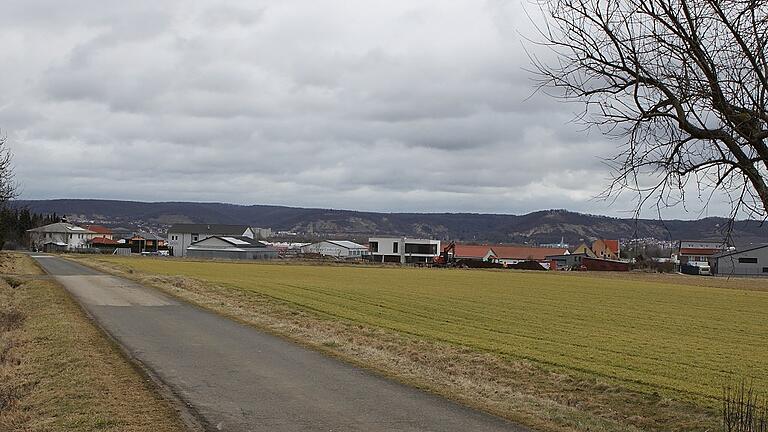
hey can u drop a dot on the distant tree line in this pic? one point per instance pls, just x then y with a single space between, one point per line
14 224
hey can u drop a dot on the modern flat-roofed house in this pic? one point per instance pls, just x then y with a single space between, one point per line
231 247
336 248
747 262
403 250
181 236
60 236
698 251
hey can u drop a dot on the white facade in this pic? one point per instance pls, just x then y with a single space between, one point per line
181 236
403 249
336 248
60 235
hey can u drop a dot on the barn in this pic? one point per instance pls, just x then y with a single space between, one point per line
231 247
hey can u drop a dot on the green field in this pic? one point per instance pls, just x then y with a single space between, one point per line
681 340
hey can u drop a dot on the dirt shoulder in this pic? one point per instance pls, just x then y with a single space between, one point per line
58 372
545 399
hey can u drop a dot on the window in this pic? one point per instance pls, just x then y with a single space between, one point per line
747 260
765 269
374 246
394 247
422 249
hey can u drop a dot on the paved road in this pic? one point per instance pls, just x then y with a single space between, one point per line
240 379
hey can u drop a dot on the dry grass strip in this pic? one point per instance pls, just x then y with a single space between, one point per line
58 372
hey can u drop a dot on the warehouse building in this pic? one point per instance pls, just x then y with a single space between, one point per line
231 247
747 262
180 236
336 248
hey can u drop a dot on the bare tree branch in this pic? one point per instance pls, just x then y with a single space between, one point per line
682 83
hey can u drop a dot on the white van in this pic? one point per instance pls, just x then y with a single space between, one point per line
703 266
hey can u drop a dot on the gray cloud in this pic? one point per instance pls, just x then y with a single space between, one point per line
399 106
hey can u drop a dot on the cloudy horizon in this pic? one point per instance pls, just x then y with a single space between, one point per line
417 106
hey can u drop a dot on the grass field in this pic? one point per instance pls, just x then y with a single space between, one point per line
58 372
678 340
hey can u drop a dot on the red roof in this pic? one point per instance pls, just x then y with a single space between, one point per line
613 245
699 251
99 229
471 251
103 241
524 252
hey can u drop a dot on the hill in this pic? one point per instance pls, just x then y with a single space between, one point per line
545 226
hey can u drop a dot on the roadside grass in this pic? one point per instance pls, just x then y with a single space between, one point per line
554 351
58 372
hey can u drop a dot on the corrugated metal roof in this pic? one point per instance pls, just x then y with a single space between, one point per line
347 244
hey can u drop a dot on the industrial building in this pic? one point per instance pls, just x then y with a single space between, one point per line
181 236
231 247
336 248
403 250
748 262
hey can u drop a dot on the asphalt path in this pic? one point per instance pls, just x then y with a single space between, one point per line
236 378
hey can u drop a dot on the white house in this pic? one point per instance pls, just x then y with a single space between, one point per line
336 248
403 250
60 236
180 236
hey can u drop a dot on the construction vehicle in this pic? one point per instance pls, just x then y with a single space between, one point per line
447 256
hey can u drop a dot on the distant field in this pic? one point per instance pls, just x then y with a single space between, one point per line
680 340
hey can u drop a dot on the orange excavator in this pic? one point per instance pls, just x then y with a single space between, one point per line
447 257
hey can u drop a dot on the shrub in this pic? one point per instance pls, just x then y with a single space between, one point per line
744 410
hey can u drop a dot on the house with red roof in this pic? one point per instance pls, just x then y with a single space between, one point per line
516 254
698 251
606 249
102 231
473 252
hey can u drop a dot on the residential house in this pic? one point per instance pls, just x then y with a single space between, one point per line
60 236
752 261
101 230
403 250
231 247
606 249
473 252
146 242
121 233
698 251
508 255
336 248
568 261
181 236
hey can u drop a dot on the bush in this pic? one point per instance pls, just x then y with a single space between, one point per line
744 410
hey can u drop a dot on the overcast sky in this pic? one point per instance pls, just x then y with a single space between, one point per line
387 106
